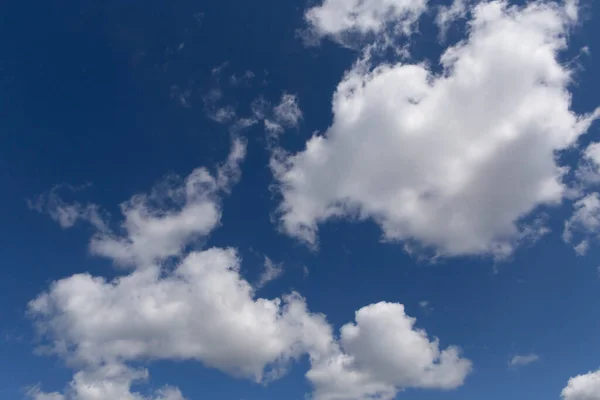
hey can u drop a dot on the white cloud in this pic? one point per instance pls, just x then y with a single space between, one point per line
36 394
584 221
287 114
157 225
67 214
583 387
381 354
153 234
588 171
271 272
449 161
203 310
112 381
338 18
448 14
523 359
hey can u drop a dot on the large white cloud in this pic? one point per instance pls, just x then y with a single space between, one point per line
583 387
203 310
450 161
381 354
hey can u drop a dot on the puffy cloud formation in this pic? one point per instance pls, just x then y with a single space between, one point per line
338 18
583 387
381 354
206 311
203 309
523 359
584 221
451 161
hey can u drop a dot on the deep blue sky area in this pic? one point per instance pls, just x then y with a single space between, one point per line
89 93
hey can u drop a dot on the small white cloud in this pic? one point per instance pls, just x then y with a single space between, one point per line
67 214
110 381
448 14
216 71
523 360
582 248
381 354
285 115
339 19
271 272
585 222
588 170
425 306
583 387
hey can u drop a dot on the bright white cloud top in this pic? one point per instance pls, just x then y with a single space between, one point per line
451 161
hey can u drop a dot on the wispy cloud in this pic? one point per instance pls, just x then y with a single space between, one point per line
527 359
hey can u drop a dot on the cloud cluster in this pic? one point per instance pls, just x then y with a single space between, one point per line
203 309
450 161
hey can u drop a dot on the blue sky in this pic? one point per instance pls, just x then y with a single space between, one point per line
335 199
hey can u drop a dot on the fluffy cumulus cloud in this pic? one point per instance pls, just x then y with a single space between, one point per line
451 161
340 18
203 310
382 353
583 387
177 303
